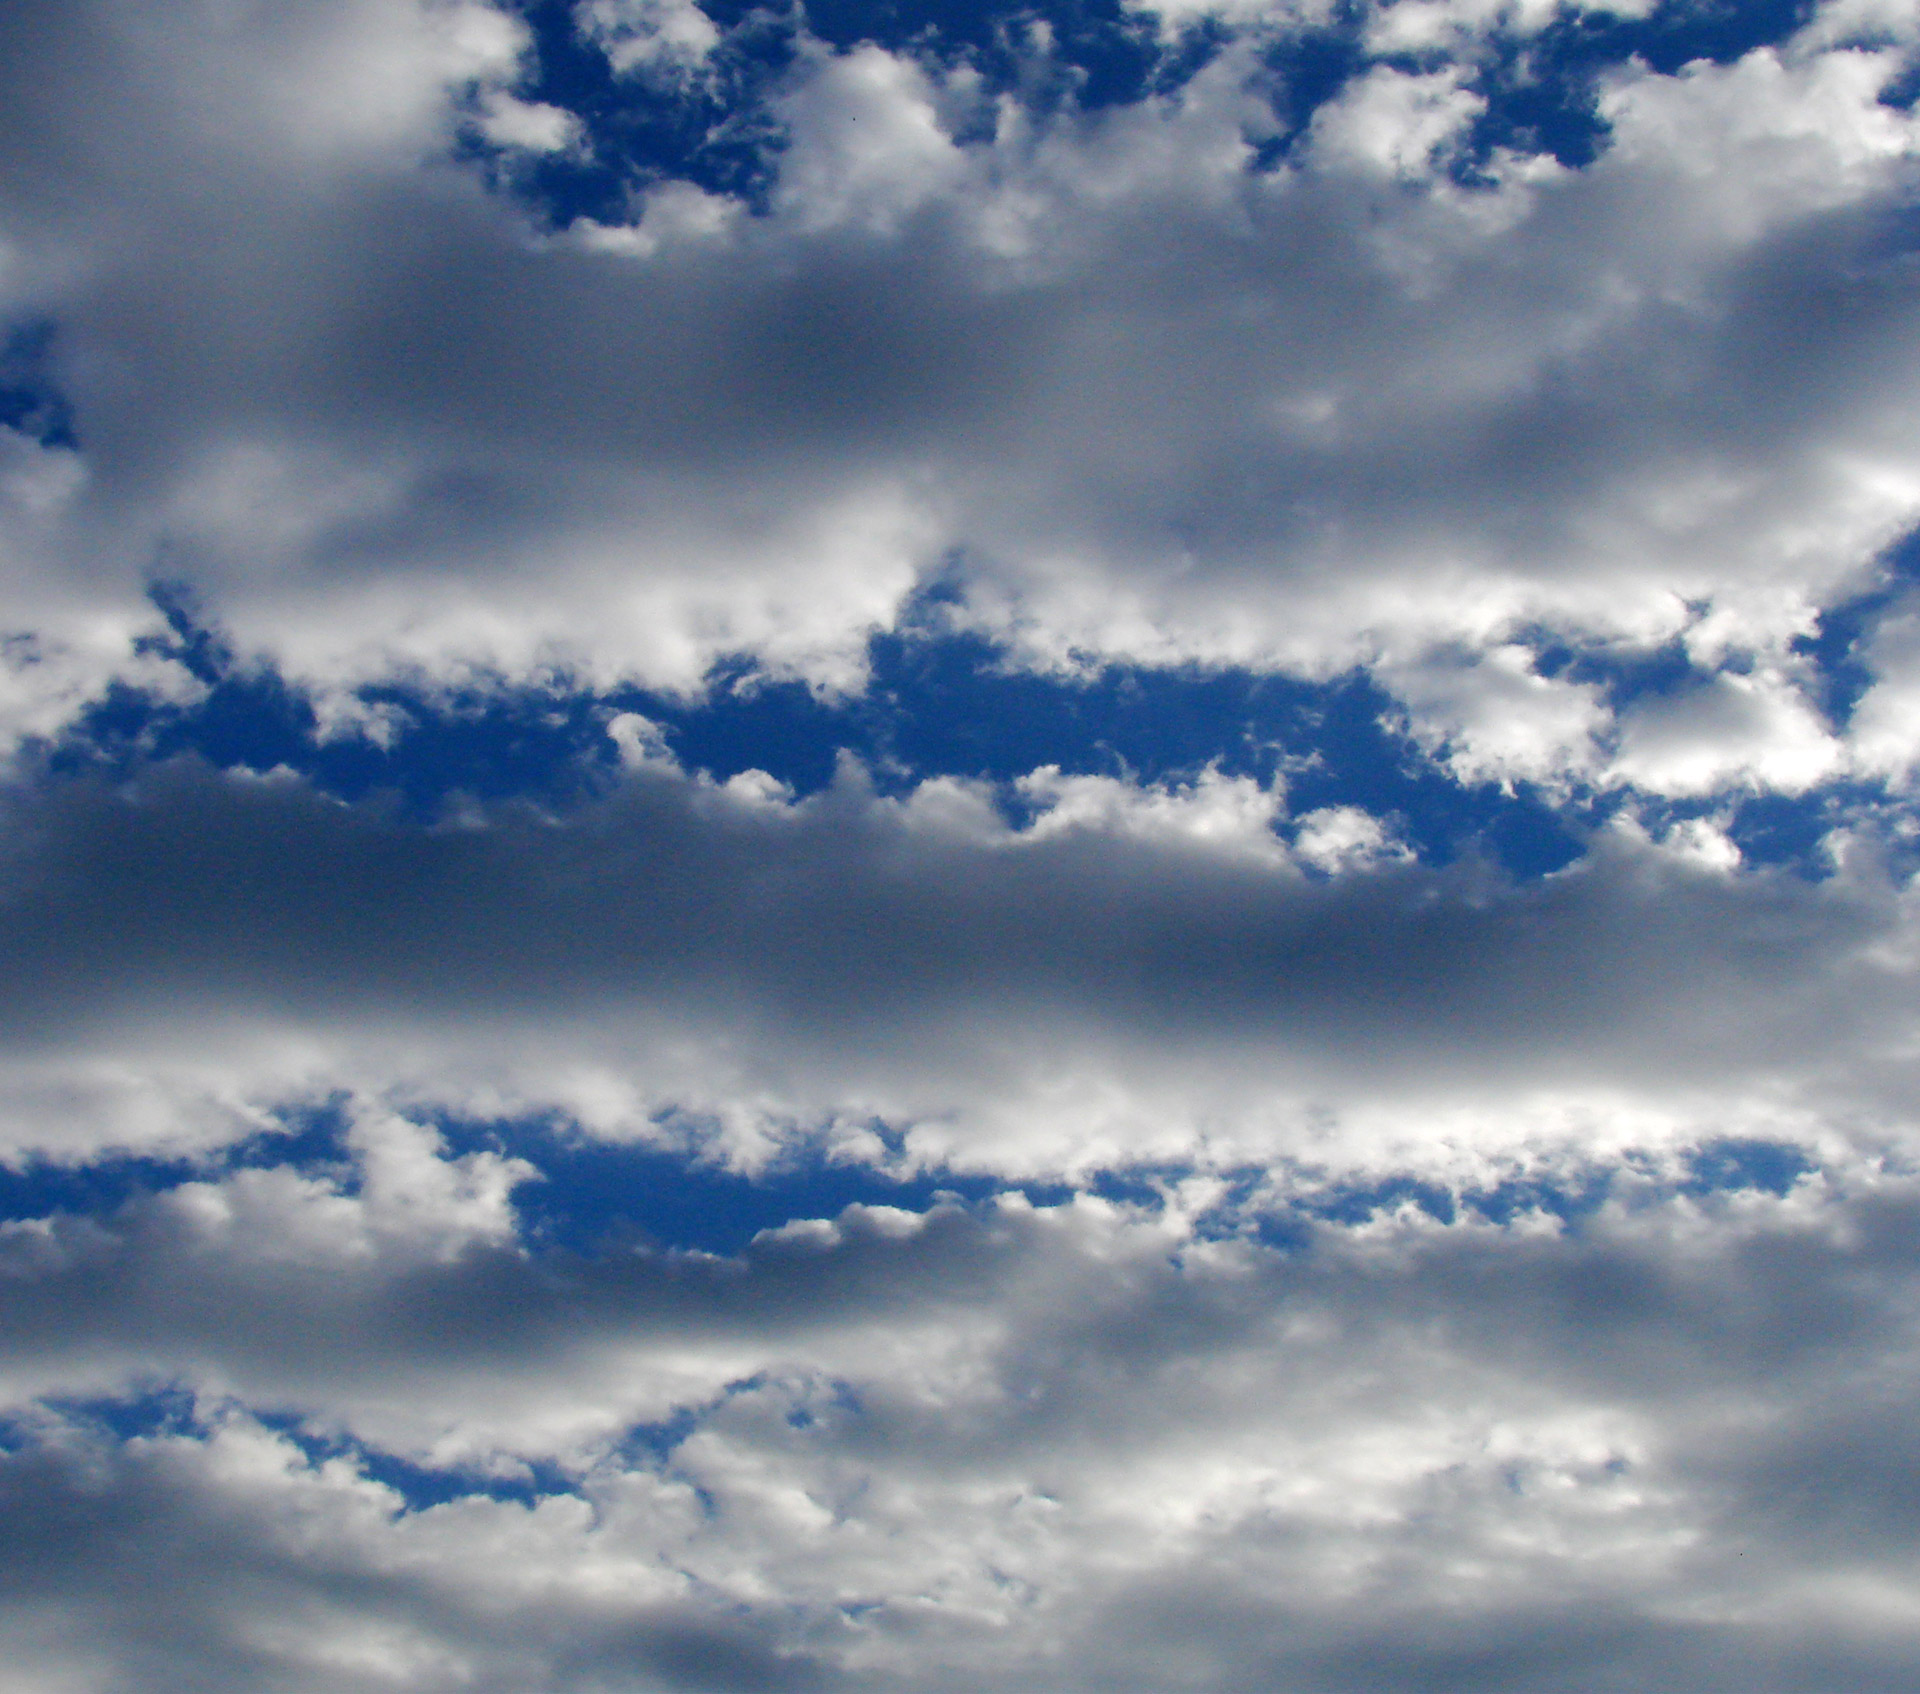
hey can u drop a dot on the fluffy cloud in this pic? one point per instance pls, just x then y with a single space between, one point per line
1081 1444
1314 1265
1136 974
1146 400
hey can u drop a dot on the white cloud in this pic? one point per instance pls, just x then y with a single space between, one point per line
1395 123
1161 408
866 148
1756 730
1230 815
1491 717
533 125
657 36
1885 729
1345 838
1016 1439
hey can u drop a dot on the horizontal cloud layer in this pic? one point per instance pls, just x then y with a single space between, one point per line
1125 384
1135 974
990 1446
1322 1097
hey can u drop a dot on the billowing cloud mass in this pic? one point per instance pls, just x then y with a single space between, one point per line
872 848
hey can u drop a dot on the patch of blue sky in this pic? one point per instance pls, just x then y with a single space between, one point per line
1785 831
1622 674
840 1399
941 704
1105 53
38 1189
1541 88
1305 68
654 1442
169 1409
716 128
713 126
592 1195
31 401
937 705
154 1410
1282 1209
713 129
1836 642
588 1197
1792 830
1357 1204
491 745
1737 1164
1732 1165
1571 1199
1904 89
420 1486
311 1140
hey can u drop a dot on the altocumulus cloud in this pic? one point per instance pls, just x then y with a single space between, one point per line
1055 847
1131 976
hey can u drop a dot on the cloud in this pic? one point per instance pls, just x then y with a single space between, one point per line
1757 727
1135 974
1004 1438
1147 400
656 36
1280 1255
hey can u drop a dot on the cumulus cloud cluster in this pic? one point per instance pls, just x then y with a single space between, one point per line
1316 1265
1389 398
1080 1446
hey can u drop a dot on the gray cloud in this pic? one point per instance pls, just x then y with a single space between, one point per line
1128 398
1407 1456
920 961
1158 405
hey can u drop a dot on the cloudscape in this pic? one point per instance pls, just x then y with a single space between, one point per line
1007 847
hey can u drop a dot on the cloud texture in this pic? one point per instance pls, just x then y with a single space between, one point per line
1077 1446
1323 1101
1397 398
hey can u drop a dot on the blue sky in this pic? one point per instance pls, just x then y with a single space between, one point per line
897 846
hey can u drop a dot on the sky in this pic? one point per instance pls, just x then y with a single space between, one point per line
898 846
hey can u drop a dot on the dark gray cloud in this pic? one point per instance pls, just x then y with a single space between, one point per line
96 1540
916 959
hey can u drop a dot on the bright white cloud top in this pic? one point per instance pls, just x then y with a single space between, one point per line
1021 849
